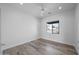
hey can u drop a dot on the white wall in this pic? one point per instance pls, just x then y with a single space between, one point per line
0 31
17 27
66 24
77 28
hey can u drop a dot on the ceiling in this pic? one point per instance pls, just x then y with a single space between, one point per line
50 8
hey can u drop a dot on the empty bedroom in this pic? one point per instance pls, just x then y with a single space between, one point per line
39 28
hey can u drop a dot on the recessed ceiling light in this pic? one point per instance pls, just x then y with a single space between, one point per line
21 3
59 7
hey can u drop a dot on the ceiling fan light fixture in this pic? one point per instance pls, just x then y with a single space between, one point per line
42 13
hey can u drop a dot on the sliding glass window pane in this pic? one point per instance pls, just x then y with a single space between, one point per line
49 28
55 28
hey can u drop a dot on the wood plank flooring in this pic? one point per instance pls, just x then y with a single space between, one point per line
41 47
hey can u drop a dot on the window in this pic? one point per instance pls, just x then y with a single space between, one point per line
53 27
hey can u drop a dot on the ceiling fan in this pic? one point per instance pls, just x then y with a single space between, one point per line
42 10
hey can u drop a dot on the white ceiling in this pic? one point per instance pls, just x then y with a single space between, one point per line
51 8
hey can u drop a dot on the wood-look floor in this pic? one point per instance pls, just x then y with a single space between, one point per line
41 47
